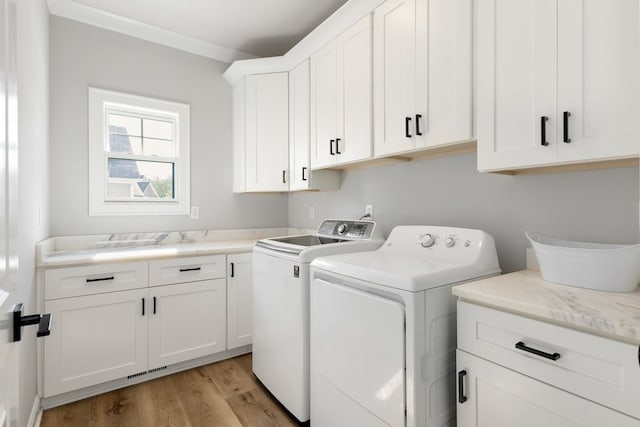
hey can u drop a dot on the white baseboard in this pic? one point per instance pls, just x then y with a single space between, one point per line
36 413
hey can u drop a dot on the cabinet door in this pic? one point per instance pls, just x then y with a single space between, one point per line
394 43
239 300
324 93
516 59
498 397
186 321
267 132
598 78
95 339
354 92
299 132
443 71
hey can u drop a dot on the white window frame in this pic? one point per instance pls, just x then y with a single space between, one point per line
101 102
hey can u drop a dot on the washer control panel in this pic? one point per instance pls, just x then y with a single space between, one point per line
348 229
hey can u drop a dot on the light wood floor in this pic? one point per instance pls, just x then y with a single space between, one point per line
220 394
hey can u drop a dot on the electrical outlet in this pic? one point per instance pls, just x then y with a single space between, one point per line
368 209
195 212
312 212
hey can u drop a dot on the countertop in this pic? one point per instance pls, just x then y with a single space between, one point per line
610 314
97 249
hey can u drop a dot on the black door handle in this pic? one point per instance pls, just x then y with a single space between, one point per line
304 169
522 346
284 179
407 123
565 123
43 322
100 279
418 117
143 306
461 397
331 147
154 305
338 146
182 270
233 270
543 130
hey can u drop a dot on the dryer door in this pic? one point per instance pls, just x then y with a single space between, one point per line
357 357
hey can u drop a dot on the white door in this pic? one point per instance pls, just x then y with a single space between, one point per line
499 397
394 43
8 222
516 83
267 132
186 321
239 300
324 93
598 83
354 64
357 350
299 127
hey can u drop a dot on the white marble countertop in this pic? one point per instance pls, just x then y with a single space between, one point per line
97 249
611 314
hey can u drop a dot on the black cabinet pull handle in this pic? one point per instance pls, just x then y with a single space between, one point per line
284 179
522 346
338 146
143 306
100 279
407 123
418 117
154 305
233 270
182 270
461 397
543 130
304 169
565 120
331 147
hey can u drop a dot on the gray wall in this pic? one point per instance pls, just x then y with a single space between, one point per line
83 56
598 205
33 134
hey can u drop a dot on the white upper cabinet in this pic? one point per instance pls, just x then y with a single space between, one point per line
341 98
557 82
422 74
301 177
261 133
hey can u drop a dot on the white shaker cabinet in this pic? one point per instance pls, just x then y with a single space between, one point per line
422 74
557 82
341 78
261 133
491 395
239 299
95 339
301 176
514 370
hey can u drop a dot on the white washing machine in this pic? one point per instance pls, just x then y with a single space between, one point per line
383 328
281 304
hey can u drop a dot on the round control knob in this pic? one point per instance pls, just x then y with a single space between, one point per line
427 240
449 242
342 228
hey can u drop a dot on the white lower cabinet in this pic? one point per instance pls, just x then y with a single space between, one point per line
106 328
239 300
94 339
491 395
517 371
186 321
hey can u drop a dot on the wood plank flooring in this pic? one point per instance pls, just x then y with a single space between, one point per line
222 394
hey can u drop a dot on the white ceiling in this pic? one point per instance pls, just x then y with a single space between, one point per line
239 28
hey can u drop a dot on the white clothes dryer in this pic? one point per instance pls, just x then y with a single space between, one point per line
383 328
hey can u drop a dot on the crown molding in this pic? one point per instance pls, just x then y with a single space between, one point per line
110 21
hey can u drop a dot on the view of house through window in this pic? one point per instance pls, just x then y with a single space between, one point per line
132 137
139 155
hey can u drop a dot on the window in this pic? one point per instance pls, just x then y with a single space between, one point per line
138 155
